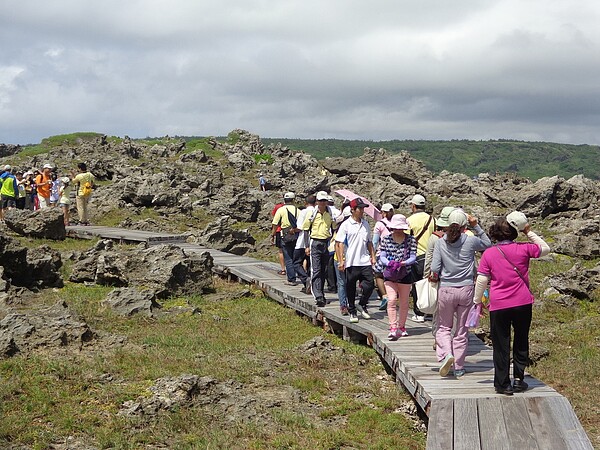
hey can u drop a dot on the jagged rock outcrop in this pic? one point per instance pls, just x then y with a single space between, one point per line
551 195
45 223
221 236
237 203
163 269
130 301
9 149
55 326
577 282
579 238
376 163
31 268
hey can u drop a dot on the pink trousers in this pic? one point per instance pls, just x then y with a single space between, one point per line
397 295
453 301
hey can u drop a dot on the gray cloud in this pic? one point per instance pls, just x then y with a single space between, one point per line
314 69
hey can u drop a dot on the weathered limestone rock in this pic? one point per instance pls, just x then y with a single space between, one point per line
31 268
130 301
163 269
45 223
51 327
577 282
221 236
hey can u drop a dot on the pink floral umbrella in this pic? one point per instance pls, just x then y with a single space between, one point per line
370 209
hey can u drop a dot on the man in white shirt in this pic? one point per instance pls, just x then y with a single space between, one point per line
356 257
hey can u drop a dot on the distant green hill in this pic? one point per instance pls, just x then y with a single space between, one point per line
528 159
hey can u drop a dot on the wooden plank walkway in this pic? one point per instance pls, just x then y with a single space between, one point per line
464 413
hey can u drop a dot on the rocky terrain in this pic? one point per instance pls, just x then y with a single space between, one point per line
213 196
215 200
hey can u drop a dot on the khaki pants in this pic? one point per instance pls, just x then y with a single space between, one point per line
82 208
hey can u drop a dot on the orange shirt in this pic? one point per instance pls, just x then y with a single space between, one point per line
43 188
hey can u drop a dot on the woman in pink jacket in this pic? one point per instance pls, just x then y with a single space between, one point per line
506 267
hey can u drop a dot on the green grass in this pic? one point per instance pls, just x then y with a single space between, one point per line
114 217
48 396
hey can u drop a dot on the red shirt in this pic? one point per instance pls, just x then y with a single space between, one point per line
275 208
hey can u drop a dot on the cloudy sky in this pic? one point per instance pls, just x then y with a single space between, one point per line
348 69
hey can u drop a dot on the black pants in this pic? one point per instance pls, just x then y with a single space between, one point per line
299 257
418 268
501 321
354 274
319 255
331 276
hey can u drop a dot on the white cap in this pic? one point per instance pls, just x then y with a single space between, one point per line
387 207
417 200
330 198
7 167
347 212
289 195
65 180
322 195
48 166
517 220
458 217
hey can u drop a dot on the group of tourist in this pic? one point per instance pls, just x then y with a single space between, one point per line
403 250
36 189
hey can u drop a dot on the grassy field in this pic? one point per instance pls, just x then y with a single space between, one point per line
571 336
344 399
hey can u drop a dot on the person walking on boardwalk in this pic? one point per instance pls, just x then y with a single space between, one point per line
397 257
422 226
86 184
454 264
341 276
381 230
506 264
441 225
356 257
317 229
286 218
301 244
277 241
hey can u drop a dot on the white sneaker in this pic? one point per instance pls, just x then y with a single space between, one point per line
446 364
419 319
353 318
364 312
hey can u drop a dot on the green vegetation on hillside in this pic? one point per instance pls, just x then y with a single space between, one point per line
59 140
532 160
528 159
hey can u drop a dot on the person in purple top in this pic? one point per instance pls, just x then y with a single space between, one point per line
506 267
398 248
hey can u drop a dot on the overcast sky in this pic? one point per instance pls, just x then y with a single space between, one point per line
348 69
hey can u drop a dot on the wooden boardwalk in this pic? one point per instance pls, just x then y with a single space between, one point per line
463 413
